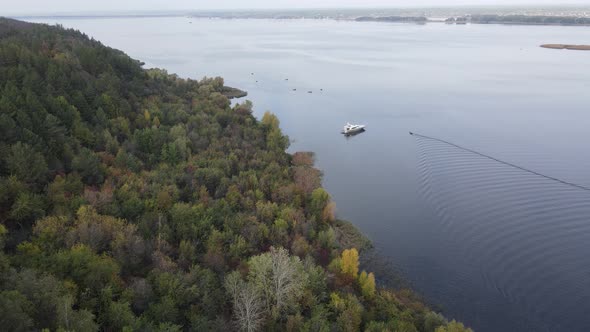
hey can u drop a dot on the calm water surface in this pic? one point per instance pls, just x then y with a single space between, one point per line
496 247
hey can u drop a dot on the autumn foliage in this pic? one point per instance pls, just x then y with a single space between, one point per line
136 200
350 263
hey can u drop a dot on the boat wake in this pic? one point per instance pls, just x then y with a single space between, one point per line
500 161
526 233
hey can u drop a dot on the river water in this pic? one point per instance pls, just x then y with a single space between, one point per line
498 247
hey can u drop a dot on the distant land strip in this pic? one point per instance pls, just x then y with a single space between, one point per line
405 19
529 20
362 16
485 19
567 47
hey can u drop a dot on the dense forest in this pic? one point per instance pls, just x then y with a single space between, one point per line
134 200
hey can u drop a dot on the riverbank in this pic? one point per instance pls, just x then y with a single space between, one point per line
348 236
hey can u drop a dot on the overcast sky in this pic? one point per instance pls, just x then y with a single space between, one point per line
54 6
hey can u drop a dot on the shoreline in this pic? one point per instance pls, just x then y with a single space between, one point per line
578 21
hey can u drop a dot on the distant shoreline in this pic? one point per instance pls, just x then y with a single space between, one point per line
475 19
114 16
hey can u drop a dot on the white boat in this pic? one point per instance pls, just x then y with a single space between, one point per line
352 129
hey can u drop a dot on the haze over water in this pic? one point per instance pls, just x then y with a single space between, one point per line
496 247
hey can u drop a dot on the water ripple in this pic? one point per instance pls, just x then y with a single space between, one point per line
528 233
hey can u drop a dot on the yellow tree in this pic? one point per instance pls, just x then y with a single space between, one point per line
367 284
270 120
350 263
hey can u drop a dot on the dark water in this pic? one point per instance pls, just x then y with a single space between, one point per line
496 247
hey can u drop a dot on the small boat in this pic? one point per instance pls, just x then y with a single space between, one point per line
352 129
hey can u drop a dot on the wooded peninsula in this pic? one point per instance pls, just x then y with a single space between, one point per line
134 200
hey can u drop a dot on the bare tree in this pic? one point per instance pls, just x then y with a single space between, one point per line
248 307
279 277
276 281
286 277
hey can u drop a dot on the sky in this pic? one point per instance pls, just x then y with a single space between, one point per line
56 6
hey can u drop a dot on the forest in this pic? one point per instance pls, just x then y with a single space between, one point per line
135 200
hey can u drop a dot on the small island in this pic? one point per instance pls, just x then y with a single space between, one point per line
567 47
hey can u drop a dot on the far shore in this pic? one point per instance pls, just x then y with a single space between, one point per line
571 18
567 47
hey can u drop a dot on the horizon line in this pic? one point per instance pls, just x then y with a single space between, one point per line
92 12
